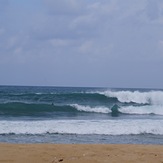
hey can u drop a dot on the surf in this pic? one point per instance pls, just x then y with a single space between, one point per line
83 127
148 97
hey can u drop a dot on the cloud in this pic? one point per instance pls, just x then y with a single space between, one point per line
77 23
67 34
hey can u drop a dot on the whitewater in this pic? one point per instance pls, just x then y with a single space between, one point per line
80 115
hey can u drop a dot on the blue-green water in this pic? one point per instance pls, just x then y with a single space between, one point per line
80 115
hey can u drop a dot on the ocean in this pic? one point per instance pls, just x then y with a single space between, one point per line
81 115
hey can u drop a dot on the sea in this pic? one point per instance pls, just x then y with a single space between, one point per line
80 115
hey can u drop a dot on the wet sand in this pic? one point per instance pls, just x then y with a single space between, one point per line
83 153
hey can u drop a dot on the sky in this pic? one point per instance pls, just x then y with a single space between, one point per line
106 43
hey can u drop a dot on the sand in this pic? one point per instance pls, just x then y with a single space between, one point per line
74 153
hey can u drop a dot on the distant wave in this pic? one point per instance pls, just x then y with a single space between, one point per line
106 127
55 97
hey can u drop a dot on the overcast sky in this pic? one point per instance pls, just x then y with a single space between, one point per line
107 43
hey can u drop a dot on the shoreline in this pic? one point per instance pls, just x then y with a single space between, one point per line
80 153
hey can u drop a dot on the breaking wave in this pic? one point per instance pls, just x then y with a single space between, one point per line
151 97
91 109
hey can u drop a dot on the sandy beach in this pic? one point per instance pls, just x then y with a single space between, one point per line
83 153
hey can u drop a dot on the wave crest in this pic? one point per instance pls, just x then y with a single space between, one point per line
100 109
151 97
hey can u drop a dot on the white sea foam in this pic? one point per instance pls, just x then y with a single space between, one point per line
100 109
151 97
147 109
107 127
